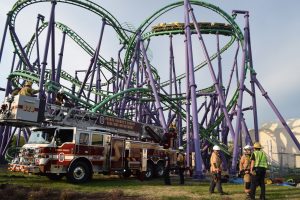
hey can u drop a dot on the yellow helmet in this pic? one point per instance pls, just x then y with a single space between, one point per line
28 83
257 145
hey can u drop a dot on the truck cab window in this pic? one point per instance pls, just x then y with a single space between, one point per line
41 136
63 135
97 139
84 138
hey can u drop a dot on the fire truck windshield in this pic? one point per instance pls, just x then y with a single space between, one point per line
41 136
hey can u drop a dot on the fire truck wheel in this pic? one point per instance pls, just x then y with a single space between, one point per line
159 169
150 171
55 177
79 172
126 173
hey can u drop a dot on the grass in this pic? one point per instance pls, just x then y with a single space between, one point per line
151 189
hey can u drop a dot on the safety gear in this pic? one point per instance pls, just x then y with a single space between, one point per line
257 145
216 148
180 160
215 163
61 90
260 159
28 83
180 148
247 147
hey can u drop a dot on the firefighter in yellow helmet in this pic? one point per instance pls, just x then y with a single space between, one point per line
27 89
245 164
258 169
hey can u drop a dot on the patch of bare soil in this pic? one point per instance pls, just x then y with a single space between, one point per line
15 192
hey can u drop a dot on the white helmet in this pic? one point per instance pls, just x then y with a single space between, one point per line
247 147
61 90
180 148
216 148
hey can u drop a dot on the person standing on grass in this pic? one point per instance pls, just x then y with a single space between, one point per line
215 170
245 164
181 164
167 168
259 165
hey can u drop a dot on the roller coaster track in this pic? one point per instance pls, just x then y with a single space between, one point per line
76 38
231 30
85 4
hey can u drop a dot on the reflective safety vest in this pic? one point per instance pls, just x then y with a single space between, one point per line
260 159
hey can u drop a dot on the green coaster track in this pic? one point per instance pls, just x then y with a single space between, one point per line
231 30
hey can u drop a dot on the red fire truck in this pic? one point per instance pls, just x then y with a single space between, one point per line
83 143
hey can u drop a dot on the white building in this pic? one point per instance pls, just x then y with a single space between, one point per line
278 144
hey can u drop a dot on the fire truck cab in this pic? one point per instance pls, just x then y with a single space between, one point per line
57 151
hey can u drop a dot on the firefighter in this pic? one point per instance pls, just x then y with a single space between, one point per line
167 168
27 90
215 170
258 169
15 91
181 164
245 164
61 98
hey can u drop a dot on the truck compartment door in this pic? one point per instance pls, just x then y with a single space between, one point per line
117 153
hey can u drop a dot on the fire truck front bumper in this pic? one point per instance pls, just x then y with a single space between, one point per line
24 168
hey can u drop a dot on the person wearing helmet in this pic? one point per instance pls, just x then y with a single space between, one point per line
245 163
215 170
181 164
62 99
258 169
27 90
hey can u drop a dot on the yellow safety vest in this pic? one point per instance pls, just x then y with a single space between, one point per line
260 159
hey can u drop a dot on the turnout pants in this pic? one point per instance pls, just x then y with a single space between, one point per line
181 175
258 180
167 176
215 181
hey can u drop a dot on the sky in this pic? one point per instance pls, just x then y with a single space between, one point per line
274 26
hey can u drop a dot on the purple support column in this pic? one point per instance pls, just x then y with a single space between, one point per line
170 73
27 133
23 54
44 63
239 105
198 168
252 77
52 25
283 122
8 85
10 136
248 139
93 62
58 69
218 89
154 90
39 18
5 137
4 35
128 80
232 70
98 80
180 135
